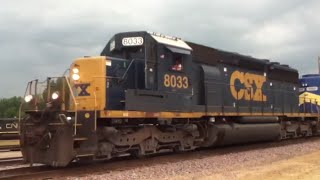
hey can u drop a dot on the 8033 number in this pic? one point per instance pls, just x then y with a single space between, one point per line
173 81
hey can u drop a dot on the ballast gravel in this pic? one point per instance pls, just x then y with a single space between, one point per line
192 165
225 162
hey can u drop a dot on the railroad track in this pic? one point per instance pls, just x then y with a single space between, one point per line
128 163
8 157
11 161
29 172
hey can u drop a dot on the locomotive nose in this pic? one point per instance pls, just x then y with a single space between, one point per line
88 82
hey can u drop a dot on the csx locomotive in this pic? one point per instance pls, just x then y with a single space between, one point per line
309 90
149 92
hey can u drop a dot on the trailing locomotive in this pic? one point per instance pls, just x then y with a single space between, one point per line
310 93
148 92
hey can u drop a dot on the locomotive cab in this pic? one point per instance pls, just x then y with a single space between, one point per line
151 68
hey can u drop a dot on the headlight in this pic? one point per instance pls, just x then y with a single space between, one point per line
75 77
28 98
55 95
75 70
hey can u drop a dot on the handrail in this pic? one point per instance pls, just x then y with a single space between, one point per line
95 111
19 119
20 107
127 69
35 92
75 106
115 58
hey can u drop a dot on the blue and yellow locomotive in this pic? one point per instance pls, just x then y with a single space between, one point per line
149 92
309 93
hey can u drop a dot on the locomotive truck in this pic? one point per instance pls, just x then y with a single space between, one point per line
148 92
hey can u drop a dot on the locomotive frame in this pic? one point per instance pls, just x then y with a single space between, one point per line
148 92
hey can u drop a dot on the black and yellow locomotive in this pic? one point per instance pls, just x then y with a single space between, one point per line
148 92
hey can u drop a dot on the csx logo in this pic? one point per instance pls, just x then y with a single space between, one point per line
82 88
252 89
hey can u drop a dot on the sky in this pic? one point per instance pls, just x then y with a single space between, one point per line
41 38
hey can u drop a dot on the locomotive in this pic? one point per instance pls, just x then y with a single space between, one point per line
310 93
148 92
9 134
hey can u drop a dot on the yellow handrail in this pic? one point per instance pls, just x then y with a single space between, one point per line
95 111
75 106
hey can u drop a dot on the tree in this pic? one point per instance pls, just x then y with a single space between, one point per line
9 107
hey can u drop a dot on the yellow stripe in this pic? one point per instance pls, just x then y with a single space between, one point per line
141 114
4 143
309 97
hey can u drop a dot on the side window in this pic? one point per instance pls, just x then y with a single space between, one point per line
177 62
116 69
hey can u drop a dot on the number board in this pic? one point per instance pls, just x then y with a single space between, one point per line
175 81
132 41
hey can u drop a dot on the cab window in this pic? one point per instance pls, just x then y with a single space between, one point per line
177 63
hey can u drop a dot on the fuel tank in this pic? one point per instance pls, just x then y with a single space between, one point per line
258 119
235 133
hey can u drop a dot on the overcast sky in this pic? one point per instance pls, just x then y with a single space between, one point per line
41 38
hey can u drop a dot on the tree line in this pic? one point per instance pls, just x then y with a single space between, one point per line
9 107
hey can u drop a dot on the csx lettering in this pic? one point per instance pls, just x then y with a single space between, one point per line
83 89
248 80
176 81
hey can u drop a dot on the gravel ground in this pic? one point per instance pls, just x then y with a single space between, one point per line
224 162
208 162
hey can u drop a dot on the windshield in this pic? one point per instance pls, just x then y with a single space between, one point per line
117 67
